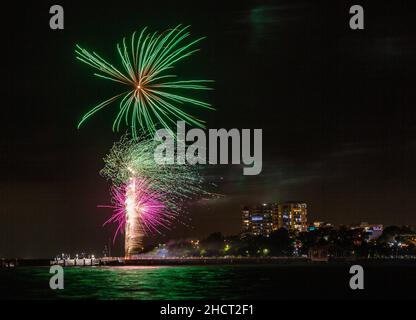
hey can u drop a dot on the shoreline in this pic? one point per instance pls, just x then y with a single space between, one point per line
278 261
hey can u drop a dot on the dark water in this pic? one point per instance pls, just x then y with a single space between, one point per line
209 282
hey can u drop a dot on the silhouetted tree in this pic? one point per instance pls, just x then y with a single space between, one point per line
213 244
281 243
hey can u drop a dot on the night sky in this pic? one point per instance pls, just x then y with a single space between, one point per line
337 109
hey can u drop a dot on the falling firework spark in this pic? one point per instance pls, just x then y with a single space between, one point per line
152 96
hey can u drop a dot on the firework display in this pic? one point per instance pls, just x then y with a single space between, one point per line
152 96
146 196
137 210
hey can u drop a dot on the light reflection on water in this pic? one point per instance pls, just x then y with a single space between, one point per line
127 282
207 282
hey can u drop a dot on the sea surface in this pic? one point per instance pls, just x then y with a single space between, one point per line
210 282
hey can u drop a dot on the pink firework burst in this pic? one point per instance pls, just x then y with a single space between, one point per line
137 209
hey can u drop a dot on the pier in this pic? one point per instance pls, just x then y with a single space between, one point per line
152 261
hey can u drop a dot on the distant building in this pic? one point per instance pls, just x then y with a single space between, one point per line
319 225
266 218
259 220
293 216
319 253
373 231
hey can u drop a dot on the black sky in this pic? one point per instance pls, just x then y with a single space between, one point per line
337 109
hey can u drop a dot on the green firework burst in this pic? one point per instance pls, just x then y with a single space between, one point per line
175 184
152 97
